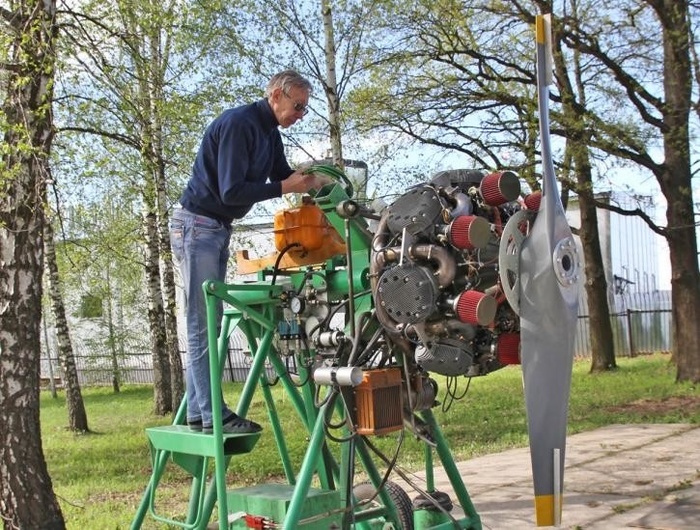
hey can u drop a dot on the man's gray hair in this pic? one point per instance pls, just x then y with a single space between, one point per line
286 80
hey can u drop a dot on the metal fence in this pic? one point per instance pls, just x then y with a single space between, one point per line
641 324
99 367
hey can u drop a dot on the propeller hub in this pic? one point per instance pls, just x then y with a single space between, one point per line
567 264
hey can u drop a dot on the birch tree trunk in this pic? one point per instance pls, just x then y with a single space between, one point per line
177 383
77 417
155 88
330 86
151 65
26 493
162 395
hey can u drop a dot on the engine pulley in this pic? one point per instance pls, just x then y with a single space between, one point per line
512 239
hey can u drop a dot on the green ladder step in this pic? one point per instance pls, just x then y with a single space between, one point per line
180 439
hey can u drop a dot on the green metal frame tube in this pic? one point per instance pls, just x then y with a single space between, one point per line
376 480
306 472
448 463
217 489
219 469
429 471
277 431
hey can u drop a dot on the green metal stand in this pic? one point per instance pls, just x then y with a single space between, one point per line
318 493
193 451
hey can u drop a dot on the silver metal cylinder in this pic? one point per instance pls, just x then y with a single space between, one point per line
343 376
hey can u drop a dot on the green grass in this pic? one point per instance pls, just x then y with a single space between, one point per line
100 477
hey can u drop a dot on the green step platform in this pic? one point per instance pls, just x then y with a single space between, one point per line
180 439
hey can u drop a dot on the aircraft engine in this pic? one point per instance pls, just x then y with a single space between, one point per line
434 272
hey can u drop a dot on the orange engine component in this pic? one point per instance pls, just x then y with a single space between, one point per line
379 402
307 225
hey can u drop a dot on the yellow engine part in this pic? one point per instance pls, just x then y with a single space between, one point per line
307 226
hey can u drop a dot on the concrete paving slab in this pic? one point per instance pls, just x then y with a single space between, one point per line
616 477
675 512
682 512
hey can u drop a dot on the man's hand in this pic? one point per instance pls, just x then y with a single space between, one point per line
299 182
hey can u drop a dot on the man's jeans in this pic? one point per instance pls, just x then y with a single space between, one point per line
200 252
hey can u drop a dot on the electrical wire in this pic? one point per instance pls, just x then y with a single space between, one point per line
404 475
450 392
276 267
327 424
364 356
363 502
334 310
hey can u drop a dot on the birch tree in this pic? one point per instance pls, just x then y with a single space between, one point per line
29 33
149 67
330 85
77 416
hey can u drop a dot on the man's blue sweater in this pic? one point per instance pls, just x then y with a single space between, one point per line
240 162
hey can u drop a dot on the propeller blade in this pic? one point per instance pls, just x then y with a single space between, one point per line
549 269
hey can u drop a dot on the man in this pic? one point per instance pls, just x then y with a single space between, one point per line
240 162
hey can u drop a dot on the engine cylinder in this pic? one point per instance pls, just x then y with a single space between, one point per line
417 211
447 357
508 348
469 232
533 200
499 188
408 293
474 307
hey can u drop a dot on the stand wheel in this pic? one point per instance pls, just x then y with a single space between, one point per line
404 507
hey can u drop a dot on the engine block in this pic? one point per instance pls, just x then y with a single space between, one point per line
434 272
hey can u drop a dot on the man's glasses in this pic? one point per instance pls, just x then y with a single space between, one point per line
299 107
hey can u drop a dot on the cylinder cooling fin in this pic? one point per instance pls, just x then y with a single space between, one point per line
446 357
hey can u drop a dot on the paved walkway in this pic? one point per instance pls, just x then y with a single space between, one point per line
617 477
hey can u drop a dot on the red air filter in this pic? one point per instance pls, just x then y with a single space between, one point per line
474 307
468 232
499 188
508 348
532 201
